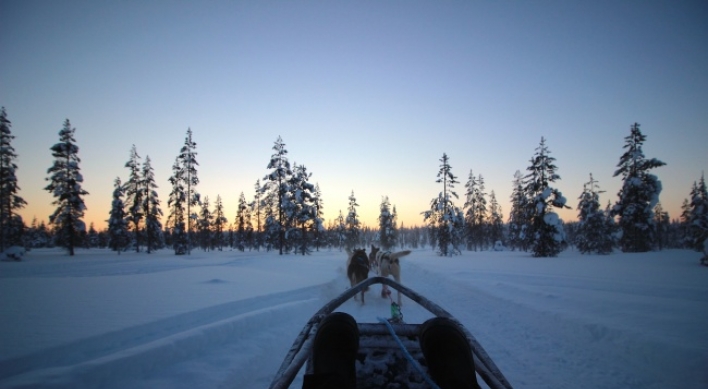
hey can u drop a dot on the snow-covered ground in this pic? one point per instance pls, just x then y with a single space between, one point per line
226 319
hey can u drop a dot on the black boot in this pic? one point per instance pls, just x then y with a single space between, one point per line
334 353
448 354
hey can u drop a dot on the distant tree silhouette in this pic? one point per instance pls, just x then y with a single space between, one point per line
65 185
134 193
119 236
11 224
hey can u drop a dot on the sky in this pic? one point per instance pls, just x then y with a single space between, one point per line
367 95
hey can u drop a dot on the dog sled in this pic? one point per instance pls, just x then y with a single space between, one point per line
389 351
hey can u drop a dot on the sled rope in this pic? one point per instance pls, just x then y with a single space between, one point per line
408 356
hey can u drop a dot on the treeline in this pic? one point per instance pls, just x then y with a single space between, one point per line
286 212
636 222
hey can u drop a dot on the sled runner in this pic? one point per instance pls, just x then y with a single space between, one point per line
389 352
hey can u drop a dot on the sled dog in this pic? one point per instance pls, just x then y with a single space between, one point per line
358 268
386 263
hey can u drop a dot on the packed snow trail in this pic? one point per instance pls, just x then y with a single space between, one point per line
226 320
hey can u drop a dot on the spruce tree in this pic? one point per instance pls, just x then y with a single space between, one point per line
188 163
546 235
276 183
387 226
134 193
176 203
271 226
255 208
638 196
65 185
662 222
698 215
242 222
593 235
11 224
341 230
119 236
496 221
219 222
446 220
91 237
204 236
470 207
302 210
154 238
318 226
685 222
352 225
476 212
519 220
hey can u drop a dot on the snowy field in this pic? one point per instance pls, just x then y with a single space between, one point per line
226 319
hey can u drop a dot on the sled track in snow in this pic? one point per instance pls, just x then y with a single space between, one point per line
531 343
104 359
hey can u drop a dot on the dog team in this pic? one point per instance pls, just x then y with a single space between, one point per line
383 263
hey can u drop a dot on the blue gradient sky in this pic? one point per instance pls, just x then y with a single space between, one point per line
368 94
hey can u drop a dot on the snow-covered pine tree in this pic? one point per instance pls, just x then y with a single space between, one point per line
11 224
204 236
256 211
277 184
685 222
44 238
546 235
481 217
219 222
352 231
271 226
242 223
303 211
476 213
119 236
231 237
134 193
65 185
470 208
318 226
387 227
154 238
593 236
698 221
445 219
496 221
91 237
188 163
341 230
638 195
519 220
176 203
662 222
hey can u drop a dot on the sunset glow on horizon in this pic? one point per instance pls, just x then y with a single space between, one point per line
367 95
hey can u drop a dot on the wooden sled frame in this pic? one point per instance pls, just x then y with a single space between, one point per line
301 349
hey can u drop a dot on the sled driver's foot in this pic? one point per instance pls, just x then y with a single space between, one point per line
448 354
334 353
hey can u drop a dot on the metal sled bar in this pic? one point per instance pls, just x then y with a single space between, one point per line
301 348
